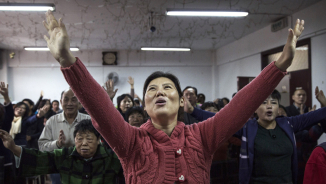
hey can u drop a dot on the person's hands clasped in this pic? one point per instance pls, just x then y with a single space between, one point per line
109 88
61 140
188 108
287 56
58 43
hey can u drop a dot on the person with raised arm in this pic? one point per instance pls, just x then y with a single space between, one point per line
164 150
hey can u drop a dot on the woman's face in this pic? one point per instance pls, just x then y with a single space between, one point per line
125 104
268 110
20 111
136 119
162 99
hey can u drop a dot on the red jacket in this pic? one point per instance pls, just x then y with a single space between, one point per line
147 154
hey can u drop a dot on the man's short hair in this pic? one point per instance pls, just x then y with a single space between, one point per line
195 89
299 88
85 125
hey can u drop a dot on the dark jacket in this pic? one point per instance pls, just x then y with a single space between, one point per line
6 125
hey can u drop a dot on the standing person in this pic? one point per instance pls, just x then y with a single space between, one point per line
58 131
190 93
164 150
34 131
55 106
268 149
306 141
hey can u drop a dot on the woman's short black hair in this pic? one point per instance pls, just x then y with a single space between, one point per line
174 79
25 115
210 104
121 97
276 95
134 109
86 125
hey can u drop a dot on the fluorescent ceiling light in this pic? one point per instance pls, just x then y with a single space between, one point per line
164 49
208 13
46 49
26 7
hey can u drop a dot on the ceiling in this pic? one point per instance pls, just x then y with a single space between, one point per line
124 24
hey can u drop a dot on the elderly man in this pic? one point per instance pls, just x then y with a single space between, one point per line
58 131
87 162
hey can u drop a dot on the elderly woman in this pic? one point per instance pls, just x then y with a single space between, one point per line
87 162
164 149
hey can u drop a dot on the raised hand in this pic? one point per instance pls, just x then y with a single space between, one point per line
287 56
109 88
312 109
7 140
61 140
188 108
131 81
320 97
42 111
42 94
4 92
58 43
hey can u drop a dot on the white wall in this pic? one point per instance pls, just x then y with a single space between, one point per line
242 58
31 72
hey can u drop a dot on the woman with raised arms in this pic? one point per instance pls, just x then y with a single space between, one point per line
164 149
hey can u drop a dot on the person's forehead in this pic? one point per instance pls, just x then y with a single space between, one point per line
161 81
300 92
190 90
271 98
135 113
86 133
69 94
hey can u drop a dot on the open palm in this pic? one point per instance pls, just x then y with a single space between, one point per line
58 43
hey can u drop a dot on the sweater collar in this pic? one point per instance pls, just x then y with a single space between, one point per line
161 136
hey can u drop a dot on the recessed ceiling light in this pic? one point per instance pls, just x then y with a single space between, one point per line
26 7
46 49
164 49
208 13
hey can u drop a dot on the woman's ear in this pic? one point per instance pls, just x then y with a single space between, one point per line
182 100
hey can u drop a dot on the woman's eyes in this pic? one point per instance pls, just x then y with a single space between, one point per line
167 87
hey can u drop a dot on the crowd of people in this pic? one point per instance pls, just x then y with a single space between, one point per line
168 136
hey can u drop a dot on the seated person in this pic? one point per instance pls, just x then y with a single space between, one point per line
87 162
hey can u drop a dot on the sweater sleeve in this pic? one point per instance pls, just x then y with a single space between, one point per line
316 167
105 117
233 116
9 117
305 120
35 107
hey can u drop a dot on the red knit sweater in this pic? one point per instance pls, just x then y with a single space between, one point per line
148 155
315 171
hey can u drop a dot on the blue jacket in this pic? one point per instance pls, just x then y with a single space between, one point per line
247 134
